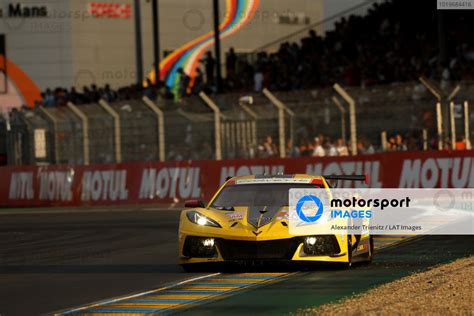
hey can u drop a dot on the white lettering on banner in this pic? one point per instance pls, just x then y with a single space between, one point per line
179 183
369 168
21 186
248 170
441 172
104 185
55 186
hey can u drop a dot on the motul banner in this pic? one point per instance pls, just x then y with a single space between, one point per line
176 181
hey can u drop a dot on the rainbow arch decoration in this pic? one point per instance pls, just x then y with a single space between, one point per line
188 56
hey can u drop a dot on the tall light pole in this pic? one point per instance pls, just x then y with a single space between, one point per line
217 41
138 44
156 40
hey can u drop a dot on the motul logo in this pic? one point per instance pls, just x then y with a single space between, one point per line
181 183
55 186
108 185
21 186
438 173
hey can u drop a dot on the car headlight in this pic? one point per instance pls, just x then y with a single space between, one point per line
201 220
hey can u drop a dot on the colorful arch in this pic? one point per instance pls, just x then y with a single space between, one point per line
238 14
22 90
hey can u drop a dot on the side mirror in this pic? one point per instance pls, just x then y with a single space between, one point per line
193 203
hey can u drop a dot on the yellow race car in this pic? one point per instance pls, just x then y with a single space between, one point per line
247 221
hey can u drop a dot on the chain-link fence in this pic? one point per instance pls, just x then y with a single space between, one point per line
131 130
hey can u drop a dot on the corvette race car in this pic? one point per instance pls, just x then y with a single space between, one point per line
247 221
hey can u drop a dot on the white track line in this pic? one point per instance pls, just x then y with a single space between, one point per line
115 300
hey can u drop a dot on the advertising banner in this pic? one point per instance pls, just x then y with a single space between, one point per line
177 181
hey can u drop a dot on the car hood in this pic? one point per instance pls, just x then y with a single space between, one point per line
255 216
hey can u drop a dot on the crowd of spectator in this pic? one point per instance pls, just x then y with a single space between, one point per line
92 94
395 41
320 146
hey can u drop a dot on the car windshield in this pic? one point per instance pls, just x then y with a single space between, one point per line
274 194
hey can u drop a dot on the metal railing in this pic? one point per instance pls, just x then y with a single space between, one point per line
234 125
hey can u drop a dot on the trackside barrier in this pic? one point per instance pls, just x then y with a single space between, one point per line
117 130
161 126
466 125
282 109
217 124
176 181
55 129
453 125
352 116
85 129
341 109
445 117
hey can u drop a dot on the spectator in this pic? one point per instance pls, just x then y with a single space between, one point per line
269 148
94 94
341 148
291 150
74 96
399 143
110 94
330 149
258 81
230 62
318 148
210 65
49 100
150 91
183 80
198 82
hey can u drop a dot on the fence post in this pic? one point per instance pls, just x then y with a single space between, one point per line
352 116
453 125
217 123
252 132
282 108
118 134
161 126
343 117
439 120
85 131
466 125
383 140
55 132
440 96
425 139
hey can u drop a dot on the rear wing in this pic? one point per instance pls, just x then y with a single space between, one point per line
362 178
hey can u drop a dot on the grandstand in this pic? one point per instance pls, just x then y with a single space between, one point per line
378 58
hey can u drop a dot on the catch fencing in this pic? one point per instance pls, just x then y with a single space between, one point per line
230 126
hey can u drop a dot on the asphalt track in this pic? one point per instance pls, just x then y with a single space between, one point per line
52 262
